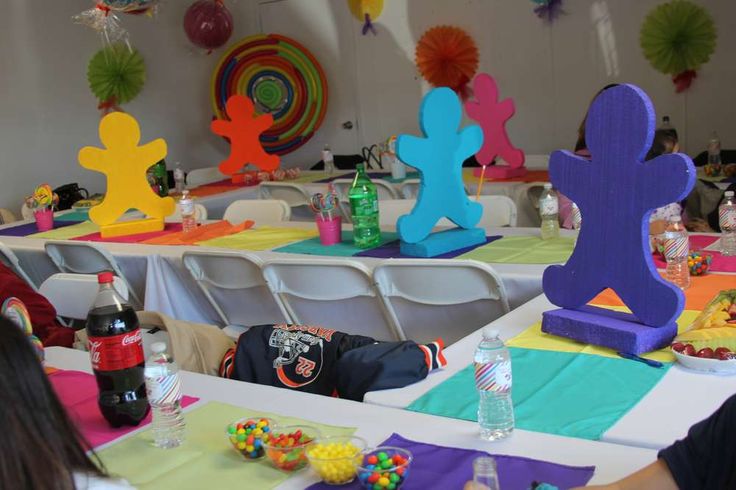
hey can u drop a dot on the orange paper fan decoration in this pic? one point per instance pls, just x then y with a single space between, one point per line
447 57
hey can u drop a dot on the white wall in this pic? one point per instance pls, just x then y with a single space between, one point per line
47 112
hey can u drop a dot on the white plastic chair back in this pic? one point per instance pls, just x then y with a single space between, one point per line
440 298
294 194
383 189
337 294
409 189
6 216
87 258
26 212
258 210
234 285
73 294
11 261
390 210
497 211
202 176
526 197
200 213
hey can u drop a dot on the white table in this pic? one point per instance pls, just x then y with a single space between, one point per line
678 401
376 423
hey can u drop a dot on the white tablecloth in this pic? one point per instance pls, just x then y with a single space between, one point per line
679 400
377 423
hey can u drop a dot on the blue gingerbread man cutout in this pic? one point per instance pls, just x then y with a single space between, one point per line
439 157
616 192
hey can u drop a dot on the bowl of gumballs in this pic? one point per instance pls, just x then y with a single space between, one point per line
384 468
699 263
249 435
336 458
287 446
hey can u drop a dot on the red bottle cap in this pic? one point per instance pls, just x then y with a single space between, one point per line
105 277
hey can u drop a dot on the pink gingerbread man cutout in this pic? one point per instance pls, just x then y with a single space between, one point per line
244 130
492 116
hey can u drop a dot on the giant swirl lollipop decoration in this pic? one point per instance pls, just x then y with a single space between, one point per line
282 78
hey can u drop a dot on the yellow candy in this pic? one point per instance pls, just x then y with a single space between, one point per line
250 449
383 481
241 431
241 445
257 432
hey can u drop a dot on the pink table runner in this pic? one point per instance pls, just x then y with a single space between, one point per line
699 242
78 393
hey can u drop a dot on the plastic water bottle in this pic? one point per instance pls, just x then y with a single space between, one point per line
179 179
549 210
163 387
484 472
676 249
188 213
493 382
727 222
329 160
714 149
364 209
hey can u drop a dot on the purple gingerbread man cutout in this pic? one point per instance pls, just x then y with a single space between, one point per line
616 192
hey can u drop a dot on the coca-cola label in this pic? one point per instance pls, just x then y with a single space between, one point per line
117 351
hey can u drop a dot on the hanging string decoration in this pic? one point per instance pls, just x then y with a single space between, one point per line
282 78
677 38
548 10
116 75
208 24
447 56
366 11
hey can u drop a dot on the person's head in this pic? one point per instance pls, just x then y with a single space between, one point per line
41 448
581 144
664 142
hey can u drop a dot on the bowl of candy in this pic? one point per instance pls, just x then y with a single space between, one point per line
699 263
384 468
287 446
336 458
248 436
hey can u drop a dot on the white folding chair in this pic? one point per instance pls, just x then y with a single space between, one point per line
337 294
526 198
390 210
258 210
200 213
435 298
294 194
6 216
409 189
233 284
202 176
73 294
11 261
497 211
87 258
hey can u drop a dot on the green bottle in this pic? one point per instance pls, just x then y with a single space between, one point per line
162 180
364 209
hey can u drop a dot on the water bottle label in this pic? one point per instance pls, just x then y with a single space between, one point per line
493 376
116 352
676 248
727 218
548 207
187 207
163 390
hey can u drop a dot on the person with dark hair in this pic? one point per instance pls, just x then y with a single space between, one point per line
41 447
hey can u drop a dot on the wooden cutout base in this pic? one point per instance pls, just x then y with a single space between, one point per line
124 228
608 328
500 172
442 242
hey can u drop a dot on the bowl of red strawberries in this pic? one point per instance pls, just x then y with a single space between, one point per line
707 358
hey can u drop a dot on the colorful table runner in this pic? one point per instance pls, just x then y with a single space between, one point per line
448 467
169 228
262 238
720 262
73 216
78 393
531 176
29 229
205 460
563 393
67 232
345 248
523 250
392 250
372 175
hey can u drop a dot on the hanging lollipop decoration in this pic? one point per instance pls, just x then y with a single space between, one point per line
116 75
208 24
282 78
103 17
548 10
678 37
366 11
447 57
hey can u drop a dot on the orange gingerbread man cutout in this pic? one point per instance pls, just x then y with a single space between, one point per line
244 130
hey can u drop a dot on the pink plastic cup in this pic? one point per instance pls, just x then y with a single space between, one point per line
44 219
330 230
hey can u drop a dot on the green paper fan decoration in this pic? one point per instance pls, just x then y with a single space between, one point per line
678 37
116 74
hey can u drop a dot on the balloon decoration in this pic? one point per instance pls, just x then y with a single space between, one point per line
447 57
103 19
548 10
366 11
116 75
678 37
282 78
208 24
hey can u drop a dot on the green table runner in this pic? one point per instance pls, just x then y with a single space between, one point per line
523 250
343 249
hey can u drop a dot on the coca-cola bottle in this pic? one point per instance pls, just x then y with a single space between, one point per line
116 351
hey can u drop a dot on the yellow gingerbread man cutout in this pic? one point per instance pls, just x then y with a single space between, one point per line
125 165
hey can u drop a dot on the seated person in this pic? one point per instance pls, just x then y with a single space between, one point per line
41 447
327 362
43 315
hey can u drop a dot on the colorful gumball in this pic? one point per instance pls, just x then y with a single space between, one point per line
208 24
248 436
385 468
698 263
